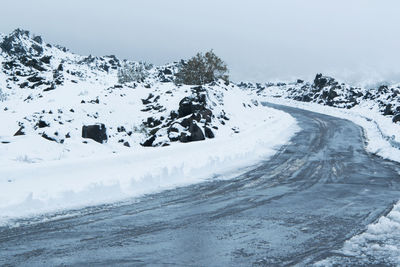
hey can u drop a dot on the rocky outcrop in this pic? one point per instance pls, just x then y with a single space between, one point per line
149 141
388 110
208 132
320 82
191 133
42 124
396 118
326 90
97 132
192 121
20 131
194 117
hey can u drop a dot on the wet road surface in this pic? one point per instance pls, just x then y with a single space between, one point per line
295 208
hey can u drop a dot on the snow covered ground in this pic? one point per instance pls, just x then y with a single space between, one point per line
30 188
379 243
49 95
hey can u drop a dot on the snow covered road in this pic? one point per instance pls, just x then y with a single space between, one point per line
299 207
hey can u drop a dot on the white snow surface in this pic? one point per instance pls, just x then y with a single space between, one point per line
28 188
378 244
46 83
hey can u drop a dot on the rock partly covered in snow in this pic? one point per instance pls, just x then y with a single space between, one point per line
328 91
76 126
96 132
70 100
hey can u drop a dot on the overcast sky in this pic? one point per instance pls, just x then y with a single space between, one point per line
261 40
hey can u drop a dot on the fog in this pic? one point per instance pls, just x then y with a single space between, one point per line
261 40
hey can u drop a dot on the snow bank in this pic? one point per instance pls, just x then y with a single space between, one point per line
377 245
28 189
380 241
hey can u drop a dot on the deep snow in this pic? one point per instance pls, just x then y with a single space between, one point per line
27 189
52 92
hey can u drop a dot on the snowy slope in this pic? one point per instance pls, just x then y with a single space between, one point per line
52 93
51 96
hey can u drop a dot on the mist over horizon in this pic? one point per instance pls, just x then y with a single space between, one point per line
356 42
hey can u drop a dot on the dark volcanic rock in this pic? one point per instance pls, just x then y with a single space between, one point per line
45 136
12 43
332 94
145 101
396 118
167 71
189 105
206 114
24 84
323 81
20 131
303 98
149 142
184 138
121 129
35 79
388 110
189 121
173 132
96 132
208 132
196 134
38 39
46 59
42 124
37 48
152 122
185 107
32 62
193 111
50 88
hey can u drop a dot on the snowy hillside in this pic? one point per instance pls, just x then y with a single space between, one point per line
51 94
326 90
73 128
379 106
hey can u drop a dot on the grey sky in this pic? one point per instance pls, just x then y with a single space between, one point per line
261 40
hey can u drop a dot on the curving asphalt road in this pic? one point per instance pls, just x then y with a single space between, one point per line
296 208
